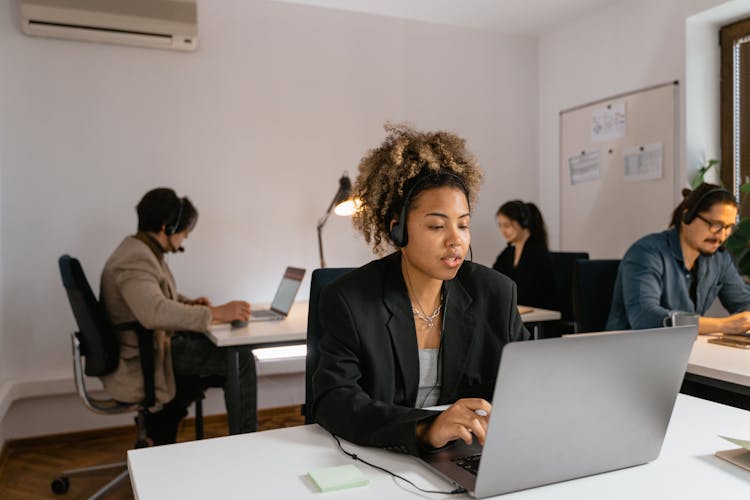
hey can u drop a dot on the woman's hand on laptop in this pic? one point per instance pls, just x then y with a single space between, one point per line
462 420
234 310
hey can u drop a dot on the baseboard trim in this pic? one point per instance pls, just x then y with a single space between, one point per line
11 390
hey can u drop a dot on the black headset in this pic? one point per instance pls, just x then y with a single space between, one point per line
398 233
524 214
172 228
693 212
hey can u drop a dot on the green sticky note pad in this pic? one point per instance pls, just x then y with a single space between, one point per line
338 478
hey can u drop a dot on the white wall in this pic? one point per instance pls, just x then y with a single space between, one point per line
625 47
255 127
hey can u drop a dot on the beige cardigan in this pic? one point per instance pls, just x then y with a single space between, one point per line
137 285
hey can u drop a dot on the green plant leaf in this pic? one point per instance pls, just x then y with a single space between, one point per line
739 239
700 175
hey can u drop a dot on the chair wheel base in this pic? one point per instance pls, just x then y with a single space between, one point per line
60 485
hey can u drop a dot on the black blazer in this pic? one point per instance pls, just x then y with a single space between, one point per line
534 276
365 386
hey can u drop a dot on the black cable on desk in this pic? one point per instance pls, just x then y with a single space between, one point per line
459 490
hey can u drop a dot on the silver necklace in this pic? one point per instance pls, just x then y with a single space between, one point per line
419 313
430 320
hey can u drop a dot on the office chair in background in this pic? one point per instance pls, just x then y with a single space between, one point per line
96 342
593 284
319 280
562 266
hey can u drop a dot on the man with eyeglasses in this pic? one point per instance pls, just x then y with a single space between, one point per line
684 269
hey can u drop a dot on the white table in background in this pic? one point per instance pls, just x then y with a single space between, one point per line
291 330
536 317
274 464
720 366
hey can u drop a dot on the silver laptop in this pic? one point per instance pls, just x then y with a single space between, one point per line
284 298
571 407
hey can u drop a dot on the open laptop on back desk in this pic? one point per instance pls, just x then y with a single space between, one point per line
570 407
284 298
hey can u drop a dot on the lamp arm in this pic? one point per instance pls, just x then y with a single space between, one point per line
344 186
322 222
320 245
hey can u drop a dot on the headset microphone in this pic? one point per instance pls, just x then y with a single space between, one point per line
172 247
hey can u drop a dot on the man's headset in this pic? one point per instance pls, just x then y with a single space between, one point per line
398 233
691 214
172 228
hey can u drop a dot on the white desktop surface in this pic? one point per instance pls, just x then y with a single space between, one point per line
720 362
538 315
274 464
291 328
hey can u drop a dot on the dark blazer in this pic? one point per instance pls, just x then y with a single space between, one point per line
365 386
534 275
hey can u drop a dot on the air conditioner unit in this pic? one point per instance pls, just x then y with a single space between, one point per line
164 24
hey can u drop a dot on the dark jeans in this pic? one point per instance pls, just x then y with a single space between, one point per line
194 355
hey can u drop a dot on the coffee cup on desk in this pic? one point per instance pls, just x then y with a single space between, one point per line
681 318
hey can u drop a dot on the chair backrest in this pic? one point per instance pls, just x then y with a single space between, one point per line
593 284
562 266
95 331
319 280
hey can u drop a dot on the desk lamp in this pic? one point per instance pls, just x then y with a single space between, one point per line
342 204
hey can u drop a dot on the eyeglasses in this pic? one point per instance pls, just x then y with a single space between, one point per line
717 227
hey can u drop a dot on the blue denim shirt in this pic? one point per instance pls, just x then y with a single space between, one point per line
652 281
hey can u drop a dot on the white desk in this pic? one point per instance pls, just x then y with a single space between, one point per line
293 329
720 366
539 315
536 317
290 330
274 464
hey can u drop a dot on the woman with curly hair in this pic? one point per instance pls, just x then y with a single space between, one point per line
422 326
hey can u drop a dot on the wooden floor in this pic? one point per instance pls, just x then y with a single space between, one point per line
27 466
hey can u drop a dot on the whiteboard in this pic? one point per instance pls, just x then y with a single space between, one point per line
618 170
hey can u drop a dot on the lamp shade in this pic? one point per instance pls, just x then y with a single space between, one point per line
342 204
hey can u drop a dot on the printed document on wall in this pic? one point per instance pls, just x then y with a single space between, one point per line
643 163
584 167
609 122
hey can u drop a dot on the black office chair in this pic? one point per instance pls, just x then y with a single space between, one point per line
96 342
593 284
319 280
562 266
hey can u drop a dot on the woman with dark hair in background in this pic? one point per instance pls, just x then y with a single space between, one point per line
526 259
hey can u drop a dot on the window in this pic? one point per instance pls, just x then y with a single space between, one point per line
735 105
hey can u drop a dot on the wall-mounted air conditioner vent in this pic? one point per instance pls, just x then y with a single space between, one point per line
164 24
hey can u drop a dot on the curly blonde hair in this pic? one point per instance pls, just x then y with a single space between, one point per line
404 155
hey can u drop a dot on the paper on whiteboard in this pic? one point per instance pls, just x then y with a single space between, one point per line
608 123
584 167
643 163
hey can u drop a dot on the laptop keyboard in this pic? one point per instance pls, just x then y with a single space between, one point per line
264 313
469 463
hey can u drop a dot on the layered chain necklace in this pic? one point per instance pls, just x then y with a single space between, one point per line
419 310
430 320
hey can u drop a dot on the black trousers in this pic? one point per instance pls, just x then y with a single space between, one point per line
194 356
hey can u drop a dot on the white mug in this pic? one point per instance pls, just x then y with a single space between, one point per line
681 318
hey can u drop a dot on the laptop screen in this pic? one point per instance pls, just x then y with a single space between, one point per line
287 290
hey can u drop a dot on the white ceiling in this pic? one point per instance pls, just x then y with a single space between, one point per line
524 17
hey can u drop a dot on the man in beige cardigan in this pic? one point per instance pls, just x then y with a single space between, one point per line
137 285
